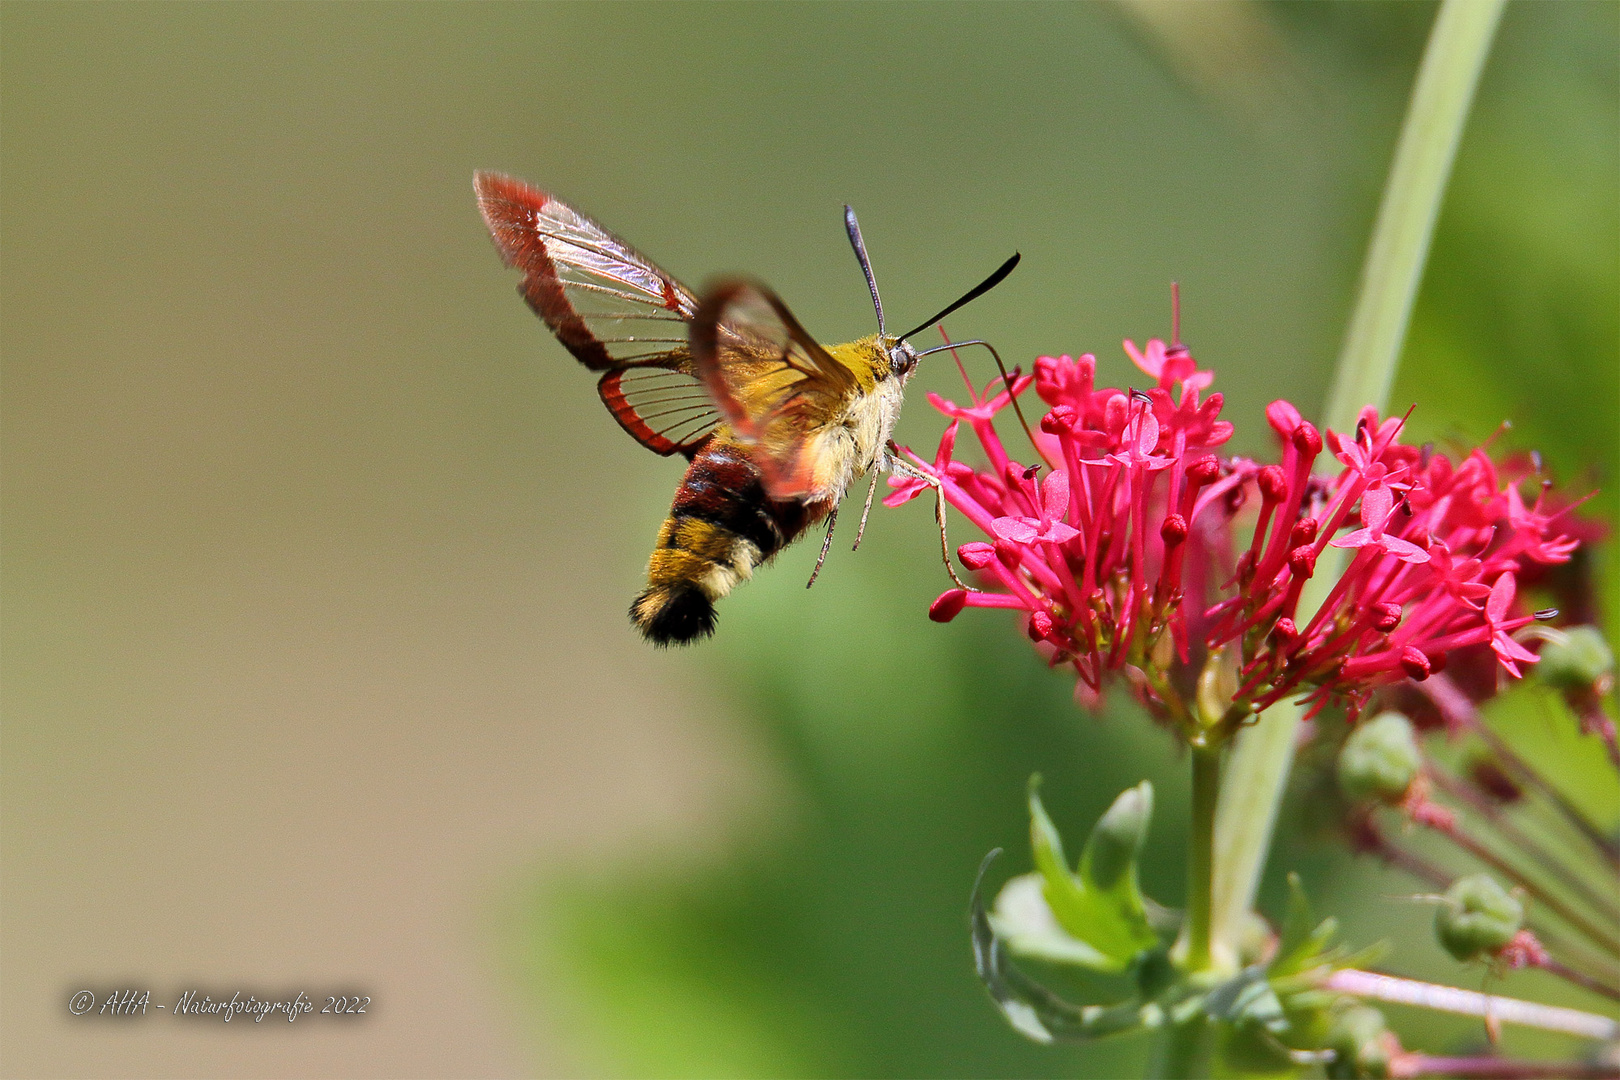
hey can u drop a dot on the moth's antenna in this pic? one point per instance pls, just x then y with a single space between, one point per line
853 227
967 298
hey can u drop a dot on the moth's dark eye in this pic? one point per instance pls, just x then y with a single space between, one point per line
901 361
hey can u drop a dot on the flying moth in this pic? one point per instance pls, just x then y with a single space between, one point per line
775 427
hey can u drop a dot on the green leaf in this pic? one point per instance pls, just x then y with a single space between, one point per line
1102 906
1024 921
1062 889
1297 921
1302 946
1032 1009
1247 999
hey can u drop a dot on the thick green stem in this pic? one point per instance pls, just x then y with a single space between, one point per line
1458 45
1206 793
1183 1051
1452 61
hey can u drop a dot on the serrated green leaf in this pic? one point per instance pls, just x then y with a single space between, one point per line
1302 945
1297 922
1032 1009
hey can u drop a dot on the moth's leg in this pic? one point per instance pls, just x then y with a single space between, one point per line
900 465
860 530
832 520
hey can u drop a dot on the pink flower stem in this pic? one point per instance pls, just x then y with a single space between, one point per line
1481 805
1584 981
1369 984
1372 840
1492 1068
1459 711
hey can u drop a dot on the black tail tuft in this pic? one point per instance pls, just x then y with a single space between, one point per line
673 614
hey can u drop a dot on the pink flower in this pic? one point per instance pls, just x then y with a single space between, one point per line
1143 552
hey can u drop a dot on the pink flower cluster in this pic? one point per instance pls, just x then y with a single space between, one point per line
1121 543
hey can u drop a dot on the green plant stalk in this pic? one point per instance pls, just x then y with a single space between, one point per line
1184 1050
1206 793
1441 97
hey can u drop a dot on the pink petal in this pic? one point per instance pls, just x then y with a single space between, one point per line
1057 532
1509 649
1153 362
1018 530
1404 550
1376 503
1147 433
904 491
1055 495
1359 538
1496 608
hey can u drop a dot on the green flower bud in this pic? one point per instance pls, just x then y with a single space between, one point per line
1477 916
1380 759
1357 1038
1573 661
1116 840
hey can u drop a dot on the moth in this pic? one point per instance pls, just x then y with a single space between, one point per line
775 426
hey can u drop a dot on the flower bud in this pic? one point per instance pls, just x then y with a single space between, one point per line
1205 469
1575 662
1284 630
1283 417
1040 626
1386 617
1272 482
1059 420
1357 1039
1303 532
1174 530
1307 440
1380 759
1302 561
1477 916
976 555
948 606
1415 664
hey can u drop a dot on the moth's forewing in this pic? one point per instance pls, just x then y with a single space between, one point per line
774 385
609 305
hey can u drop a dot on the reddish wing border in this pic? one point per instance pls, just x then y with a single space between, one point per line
597 293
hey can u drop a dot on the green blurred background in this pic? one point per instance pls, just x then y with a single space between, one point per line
317 547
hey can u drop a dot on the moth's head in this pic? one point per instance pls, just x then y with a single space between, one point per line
902 358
